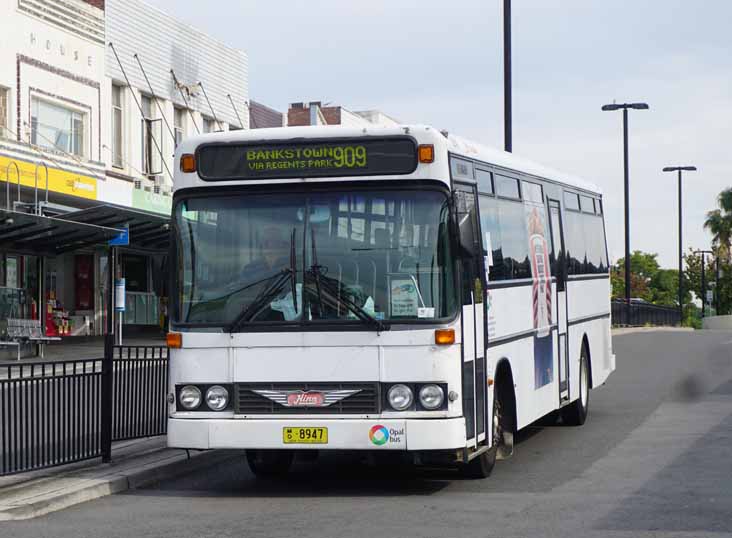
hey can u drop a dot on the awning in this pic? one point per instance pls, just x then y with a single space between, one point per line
149 231
31 234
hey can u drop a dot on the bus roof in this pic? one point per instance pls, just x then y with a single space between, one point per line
488 154
454 144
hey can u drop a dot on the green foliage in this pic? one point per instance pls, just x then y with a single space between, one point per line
647 280
692 316
719 223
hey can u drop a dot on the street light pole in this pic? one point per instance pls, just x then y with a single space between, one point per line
703 279
679 169
625 107
507 101
627 215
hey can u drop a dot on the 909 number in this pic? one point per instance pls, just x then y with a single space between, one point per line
349 157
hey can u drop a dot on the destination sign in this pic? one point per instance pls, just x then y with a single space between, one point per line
310 158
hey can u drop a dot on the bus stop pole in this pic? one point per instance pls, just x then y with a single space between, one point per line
107 364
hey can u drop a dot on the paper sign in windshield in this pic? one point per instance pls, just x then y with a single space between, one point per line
404 299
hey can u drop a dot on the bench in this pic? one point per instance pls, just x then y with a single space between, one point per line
21 331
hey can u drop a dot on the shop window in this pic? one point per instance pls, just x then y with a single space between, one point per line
117 127
151 139
136 272
179 124
57 127
209 125
4 112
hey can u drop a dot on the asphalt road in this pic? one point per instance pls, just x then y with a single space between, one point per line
654 459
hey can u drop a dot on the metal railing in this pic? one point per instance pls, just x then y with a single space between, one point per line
140 385
50 414
55 413
642 314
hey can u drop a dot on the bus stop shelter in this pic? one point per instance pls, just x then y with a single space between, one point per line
41 236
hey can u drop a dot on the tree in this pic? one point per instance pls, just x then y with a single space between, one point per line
647 280
721 284
719 223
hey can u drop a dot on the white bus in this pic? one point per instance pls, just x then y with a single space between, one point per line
379 289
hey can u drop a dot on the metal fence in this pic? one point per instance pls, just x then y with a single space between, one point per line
642 314
140 385
54 413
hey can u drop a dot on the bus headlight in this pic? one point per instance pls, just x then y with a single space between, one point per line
400 397
190 397
217 398
431 396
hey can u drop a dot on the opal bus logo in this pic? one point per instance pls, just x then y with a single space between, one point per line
379 435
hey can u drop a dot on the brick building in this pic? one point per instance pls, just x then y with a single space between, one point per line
315 113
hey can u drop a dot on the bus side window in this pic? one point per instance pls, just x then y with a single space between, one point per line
491 237
468 229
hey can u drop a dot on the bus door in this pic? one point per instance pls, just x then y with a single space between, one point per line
473 314
560 271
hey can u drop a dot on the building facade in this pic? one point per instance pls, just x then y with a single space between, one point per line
94 97
314 113
162 87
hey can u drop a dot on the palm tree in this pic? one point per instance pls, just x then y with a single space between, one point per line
719 222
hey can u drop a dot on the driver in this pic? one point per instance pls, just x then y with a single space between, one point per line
274 257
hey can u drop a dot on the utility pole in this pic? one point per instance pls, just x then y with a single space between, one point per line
624 107
507 97
679 169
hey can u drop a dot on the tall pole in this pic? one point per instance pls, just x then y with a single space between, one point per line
681 267
716 285
507 115
703 286
627 216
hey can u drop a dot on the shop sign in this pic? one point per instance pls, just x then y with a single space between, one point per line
59 180
149 201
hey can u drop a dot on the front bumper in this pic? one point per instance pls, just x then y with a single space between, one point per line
343 434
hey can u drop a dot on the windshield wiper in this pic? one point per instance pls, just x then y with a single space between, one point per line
334 287
278 281
293 270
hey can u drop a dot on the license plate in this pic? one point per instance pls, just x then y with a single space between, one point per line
307 436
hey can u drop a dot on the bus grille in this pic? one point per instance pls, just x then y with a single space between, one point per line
248 402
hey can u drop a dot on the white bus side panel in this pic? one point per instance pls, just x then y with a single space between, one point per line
589 299
510 314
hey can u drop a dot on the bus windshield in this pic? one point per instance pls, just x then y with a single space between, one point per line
307 257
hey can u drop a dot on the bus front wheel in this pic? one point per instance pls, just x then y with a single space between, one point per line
482 465
269 463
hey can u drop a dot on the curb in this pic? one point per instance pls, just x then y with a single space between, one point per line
630 330
93 488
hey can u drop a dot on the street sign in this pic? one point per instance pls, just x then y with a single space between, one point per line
122 239
710 296
119 295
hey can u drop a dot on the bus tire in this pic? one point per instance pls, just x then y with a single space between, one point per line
270 463
482 466
575 414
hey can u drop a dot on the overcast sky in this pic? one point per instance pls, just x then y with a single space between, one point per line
440 63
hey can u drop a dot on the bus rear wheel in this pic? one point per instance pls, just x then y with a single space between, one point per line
269 463
575 414
482 465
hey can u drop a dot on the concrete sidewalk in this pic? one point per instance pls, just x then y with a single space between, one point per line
135 464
